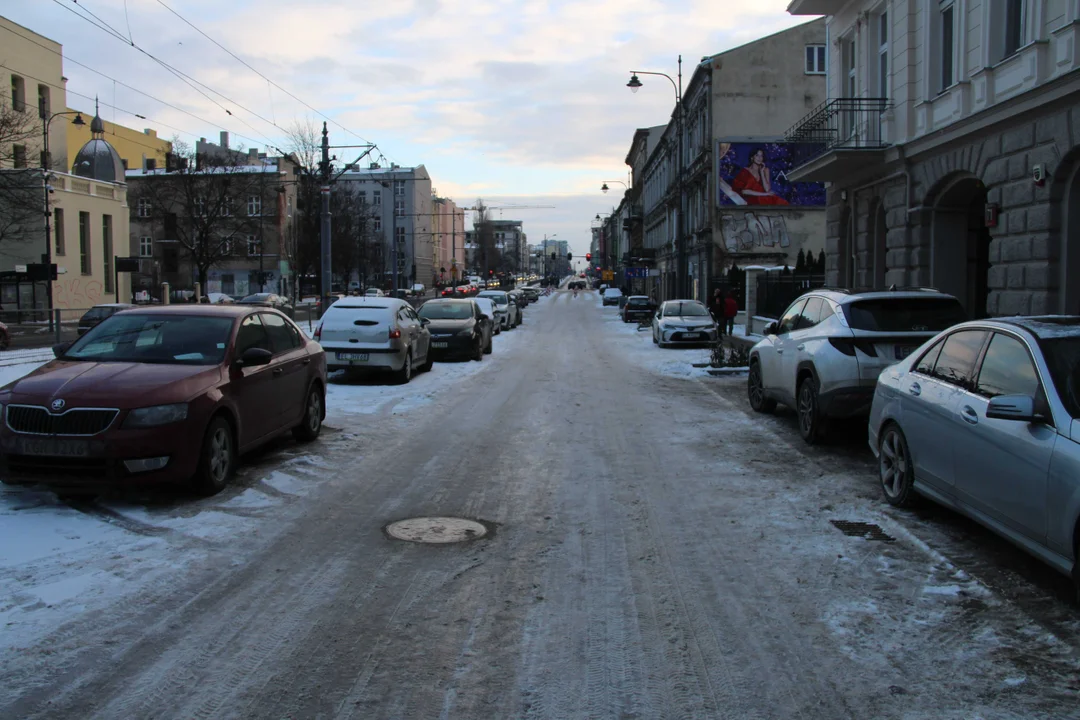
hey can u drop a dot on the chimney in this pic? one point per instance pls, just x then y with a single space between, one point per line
253 154
224 139
373 166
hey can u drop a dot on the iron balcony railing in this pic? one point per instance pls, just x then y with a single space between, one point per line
841 123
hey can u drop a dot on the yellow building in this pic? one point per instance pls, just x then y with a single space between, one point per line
34 72
138 150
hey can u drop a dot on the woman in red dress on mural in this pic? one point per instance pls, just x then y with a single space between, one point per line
753 182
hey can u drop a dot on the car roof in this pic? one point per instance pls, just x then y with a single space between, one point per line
843 296
1046 326
450 301
367 301
200 309
116 305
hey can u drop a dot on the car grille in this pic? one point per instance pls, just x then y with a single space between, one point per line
35 420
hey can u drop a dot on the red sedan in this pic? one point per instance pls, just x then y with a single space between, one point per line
162 395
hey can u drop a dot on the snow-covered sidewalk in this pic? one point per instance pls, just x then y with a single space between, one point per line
637 346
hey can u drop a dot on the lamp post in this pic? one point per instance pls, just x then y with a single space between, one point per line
46 120
680 241
604 188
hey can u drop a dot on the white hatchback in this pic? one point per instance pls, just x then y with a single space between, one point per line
364 334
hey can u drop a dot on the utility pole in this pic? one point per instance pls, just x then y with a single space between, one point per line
324 245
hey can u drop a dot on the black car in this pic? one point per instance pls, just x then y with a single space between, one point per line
98 313
458 328
637 308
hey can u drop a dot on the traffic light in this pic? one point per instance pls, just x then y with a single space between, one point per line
491 272
569 257
588 257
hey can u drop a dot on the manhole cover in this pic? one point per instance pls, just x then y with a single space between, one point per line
861 529
438 530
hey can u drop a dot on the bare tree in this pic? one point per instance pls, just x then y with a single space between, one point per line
22 204
209 204
304 144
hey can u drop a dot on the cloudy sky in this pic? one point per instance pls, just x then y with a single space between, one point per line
513 101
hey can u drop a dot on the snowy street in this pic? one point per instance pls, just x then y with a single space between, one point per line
654 549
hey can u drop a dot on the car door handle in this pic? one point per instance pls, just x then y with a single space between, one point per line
779 351
800 346
307 361
278 371
915 389
970 416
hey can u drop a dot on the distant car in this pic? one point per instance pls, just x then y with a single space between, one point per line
531 293
374 292
682 322
611 296
5 337
417 289
273 300
220 299
459 328
99 313
171 394
823 357
511 313
522 301
637 308
449 292
489 308
984 419
375 334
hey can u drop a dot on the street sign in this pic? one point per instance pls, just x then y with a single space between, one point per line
637 272
127 264
41 272
608 275
20 268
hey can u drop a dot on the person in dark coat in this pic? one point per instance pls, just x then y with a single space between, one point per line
716 308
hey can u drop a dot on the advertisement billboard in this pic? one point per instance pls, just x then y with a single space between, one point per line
755 174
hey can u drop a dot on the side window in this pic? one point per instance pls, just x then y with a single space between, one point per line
251 335
826 311
1007 369
790 318
811 314
282 337
476 311
926 364
956 364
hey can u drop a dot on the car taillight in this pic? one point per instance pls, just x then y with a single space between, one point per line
395 334
848 347
318 332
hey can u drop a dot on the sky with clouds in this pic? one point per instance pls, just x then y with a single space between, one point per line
516 102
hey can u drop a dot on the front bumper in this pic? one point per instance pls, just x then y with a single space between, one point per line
680 337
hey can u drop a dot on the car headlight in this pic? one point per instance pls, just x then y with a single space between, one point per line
156 415
467 332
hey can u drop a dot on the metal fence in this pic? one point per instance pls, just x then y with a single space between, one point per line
775 291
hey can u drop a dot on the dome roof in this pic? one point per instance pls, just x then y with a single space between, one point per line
98 160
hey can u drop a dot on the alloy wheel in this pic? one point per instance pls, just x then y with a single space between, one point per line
220 455
893 463
807 409
314 410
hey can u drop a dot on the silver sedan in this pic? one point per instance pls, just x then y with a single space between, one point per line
683 322
985 419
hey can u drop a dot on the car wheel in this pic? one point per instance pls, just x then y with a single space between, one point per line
311 425
895 469
403 375
218 458
654 340
811 422
489 348
480 351
755 389
429 361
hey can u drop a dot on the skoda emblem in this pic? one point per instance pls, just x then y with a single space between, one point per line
57 404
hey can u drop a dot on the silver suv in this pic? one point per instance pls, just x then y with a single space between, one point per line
823 356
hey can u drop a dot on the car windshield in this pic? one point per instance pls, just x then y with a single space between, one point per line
685 309
446 311
97 313
904 314
498 298
155 338
1063 358
612 291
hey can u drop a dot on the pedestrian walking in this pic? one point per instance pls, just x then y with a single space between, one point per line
731 309
716 308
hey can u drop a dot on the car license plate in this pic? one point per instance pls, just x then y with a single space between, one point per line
691 336
54 448
902 351
440 345
361 357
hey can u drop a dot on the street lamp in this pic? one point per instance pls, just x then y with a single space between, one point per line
680 241
46 160
604 188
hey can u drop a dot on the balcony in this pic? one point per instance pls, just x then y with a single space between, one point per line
843 136
815 7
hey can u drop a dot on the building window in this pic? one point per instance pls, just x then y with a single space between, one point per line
947 27
1013 26
200 207
107 251
18 93
58 230
144 208
254 247
883 55
815 59
226 206
363 196
254 205
124 162
84 243
226 246
399 187
399 208
151 164
378 224
18 156
850 86
399 235
44 106
376 197
146 246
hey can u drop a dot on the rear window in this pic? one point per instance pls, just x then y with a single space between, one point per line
904 314
637 301
98 313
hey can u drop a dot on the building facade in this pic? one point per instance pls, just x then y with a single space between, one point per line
448 227
33 67
952 149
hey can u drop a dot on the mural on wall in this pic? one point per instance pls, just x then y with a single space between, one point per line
754 174
76 292
747 231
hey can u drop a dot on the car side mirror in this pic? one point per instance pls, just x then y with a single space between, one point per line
771 328
486 316
1013 407
253 357
60 349
425 322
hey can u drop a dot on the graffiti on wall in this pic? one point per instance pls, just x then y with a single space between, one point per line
743 231
76 292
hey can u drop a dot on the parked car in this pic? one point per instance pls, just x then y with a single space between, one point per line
98 314
374 292
521 301
511 313
611 296
823 357
273 300
489 308
375 334
683 322
162 395
417 289
531 293
985 419
5 337
220 298
637 308
459 328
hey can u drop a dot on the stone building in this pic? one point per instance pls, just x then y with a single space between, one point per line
951 143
